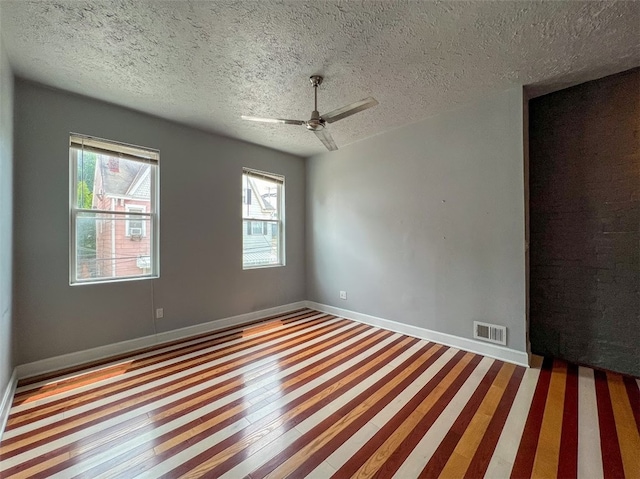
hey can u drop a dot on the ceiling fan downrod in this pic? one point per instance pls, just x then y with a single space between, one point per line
315 123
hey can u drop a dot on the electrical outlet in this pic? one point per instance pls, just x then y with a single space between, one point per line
159 313
343 295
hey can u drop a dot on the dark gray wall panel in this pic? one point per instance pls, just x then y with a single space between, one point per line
585 223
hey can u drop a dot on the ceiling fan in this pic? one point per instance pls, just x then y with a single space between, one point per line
318 122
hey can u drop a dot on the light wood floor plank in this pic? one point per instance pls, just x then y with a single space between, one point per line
589 453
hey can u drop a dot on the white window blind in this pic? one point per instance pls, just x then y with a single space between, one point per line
113 148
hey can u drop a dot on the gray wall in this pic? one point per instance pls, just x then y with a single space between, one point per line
200 229
424 225
6 220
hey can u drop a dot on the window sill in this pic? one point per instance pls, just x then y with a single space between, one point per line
113 280
262 266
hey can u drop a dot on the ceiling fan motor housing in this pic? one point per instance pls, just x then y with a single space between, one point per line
315 123
316 80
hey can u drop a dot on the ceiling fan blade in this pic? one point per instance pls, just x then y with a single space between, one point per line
273 120
349 110
327 140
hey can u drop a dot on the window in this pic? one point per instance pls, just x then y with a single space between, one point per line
259 228
113 211
135 226
246 196
263 219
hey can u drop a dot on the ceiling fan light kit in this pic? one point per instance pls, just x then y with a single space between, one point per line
318 122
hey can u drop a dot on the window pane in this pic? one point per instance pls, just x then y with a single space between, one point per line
85 179
260 243
105 251
246 196
261 198
256 228
117 181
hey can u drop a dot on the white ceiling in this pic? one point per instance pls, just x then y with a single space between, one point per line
205 63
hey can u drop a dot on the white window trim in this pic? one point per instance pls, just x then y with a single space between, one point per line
133 152
280 180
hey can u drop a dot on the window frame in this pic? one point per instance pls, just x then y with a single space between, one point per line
280 182
122 150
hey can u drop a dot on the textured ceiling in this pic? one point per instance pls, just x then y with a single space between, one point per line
205 63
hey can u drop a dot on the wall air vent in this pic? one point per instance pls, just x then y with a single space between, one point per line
490 332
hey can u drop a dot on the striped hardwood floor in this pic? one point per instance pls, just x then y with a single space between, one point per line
306 394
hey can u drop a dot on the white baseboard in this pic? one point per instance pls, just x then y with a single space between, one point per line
64 361
493 351
7 398
58 363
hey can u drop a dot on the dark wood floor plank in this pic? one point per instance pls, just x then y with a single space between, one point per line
526 454
611 456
